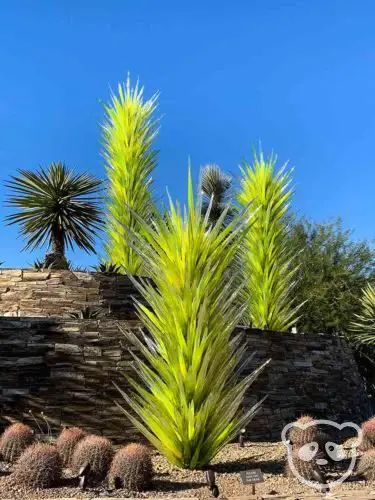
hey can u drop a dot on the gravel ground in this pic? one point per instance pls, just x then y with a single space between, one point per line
173 482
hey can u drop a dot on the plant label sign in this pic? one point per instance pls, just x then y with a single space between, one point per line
252 476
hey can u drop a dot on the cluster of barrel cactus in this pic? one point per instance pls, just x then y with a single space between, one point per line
92 458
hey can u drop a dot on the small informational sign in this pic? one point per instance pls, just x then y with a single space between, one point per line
252 476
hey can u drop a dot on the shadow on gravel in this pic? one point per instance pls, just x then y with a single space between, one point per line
267 466
165 485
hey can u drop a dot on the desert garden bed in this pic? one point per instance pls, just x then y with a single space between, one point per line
169 481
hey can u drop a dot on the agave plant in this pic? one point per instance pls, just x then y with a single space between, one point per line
129 131
215 189
107 268
188 401
39 265
52 262
267 260
87 313
363 327
58 207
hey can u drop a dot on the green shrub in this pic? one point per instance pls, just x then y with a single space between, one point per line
189 402
132 467
363 327
14 440
39 466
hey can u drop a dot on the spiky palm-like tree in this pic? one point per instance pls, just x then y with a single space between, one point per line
128 133
362 328
58 207
188 401
267 259
216 190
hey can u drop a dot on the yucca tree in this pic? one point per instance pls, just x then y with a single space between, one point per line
58 207
188 402
267 260
215 187
362 329
128 131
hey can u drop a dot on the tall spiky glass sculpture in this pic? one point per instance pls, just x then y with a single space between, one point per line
128 134
188 402
266 259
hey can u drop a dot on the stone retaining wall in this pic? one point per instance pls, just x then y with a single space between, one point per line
65 368
27 292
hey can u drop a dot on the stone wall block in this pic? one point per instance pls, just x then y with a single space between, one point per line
66 367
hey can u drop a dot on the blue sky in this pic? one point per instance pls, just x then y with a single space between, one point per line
299 76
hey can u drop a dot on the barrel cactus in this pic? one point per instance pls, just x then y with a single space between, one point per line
39 466
312 433
14 440
95 452
368 435
298 436
132 468
366 465
308 469
67 442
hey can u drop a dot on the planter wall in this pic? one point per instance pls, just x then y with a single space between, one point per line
26 292
65 368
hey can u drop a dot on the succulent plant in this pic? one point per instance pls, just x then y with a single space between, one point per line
308 469
366 465
368 439
107 268
67 442
299 437
95 451
132 468
50 263
39 466
14 440
87 313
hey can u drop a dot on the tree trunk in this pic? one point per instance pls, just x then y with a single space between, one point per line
57 242
56 259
